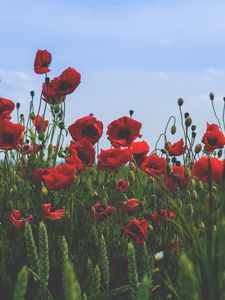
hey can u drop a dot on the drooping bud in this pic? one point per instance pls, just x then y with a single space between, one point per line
173 129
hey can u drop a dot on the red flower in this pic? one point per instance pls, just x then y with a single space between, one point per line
52 215
6 107
82 154
37 122
123 131
139 150
177 148
177 179
27 149
18 220
123 185
100 211
10 134
39 172
42 61
113 158
59 87
60 177
88 128
129 205
137 230
213 138
201 167
163 214
154 165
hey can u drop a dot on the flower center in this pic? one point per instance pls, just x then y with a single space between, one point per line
212 141
89 131
7 138
64 85
123 133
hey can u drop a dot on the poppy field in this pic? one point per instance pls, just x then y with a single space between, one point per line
133 221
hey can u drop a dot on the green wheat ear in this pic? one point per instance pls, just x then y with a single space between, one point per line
64 258
103 262
132 272
91 288
144 261
21 284
43 258
31 249
71 285
187 279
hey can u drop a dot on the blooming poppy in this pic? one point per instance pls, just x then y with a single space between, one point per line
137 230
18 220
213 138
204 165
6 107
88 128
100 211
10 134
139 150
176 149
123 131
158 216
154 165
60 177
56 89
39 172
113 158
129 205
122 186
52 215
82 154
177 178
39 123
42 61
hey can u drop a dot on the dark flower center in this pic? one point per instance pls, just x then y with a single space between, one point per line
7 138
1 109
44 64
83 157
212 141
134 229
64 85
89 131
123 133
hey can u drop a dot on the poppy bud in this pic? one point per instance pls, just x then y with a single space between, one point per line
173 129
198 148
201 226
17 105
41 136
188 122
186 115
193 134
131 177
180 101
44 191
131 112
194 195
150 228
193 127
32 115
174 159
32 93
21 116
178 163
220 152
61 125
211 96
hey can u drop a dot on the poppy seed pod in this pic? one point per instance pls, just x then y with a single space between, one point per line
32 93
180 101
186 115
17 105
193 127
198 148
211 96
131 112
188 122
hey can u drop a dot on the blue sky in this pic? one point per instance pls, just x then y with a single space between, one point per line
132 54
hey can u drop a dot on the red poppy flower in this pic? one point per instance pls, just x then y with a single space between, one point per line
6 107
213 138
60 177
42 61
129 205
113 158
163 214
154 165
18 220
100 211
59 87
88 128
123 185
39 172
139 150
137 230
27 149
10 134
177 179
37 122
82 154
200 169
177 148
52 215
123 131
